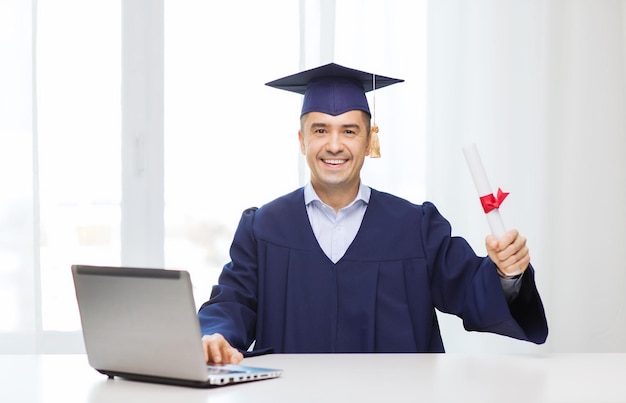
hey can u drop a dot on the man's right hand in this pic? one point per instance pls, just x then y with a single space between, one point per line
218 351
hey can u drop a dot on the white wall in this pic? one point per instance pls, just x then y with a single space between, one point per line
540 87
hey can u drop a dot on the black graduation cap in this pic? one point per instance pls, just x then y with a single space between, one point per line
333 89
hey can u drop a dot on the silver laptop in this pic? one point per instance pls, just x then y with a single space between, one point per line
141 324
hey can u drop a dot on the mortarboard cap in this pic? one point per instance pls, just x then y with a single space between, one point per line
334 89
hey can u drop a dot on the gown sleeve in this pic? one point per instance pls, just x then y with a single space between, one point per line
231 309
469 287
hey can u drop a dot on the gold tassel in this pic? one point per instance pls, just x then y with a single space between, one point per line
374 142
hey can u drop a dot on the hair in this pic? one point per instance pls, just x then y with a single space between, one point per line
366 117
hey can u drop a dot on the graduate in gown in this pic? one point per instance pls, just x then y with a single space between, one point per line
337 266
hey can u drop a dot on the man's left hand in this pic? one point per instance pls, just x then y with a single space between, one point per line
509 253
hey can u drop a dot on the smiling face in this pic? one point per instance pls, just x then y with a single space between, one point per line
335 148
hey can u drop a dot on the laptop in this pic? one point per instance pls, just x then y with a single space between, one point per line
141 324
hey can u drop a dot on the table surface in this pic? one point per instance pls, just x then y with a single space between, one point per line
340 377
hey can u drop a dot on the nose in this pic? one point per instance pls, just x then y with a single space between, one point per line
334 145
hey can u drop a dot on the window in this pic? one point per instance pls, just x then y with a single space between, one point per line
78 121
215 140
233 139
16 165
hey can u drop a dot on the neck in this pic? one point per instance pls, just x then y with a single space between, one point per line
338 196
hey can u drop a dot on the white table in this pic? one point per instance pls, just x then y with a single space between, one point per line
341 378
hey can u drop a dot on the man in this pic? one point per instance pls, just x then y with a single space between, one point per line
336 266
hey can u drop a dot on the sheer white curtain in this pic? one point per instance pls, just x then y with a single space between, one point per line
236 139
136 132
59 154
388 38
230 141
540 87
17 261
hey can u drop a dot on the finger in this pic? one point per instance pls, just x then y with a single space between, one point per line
512 254
206 347
507 239
499 245
215 344
215 353
235 356
515 266
516 247
227 354
491 242
517 256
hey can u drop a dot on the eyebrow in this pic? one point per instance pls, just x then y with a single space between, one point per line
317 125
344 126
351 126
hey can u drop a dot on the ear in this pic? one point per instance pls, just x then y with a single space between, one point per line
368 146
301 140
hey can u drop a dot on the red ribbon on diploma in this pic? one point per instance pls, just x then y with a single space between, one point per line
491 202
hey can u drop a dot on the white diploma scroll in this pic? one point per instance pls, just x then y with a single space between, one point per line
482 186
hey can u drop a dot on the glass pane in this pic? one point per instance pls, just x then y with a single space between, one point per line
16 168
230 141
78 102
394 45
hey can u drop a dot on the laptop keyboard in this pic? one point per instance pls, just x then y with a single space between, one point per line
222 371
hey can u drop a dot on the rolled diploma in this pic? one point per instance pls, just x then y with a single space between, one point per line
482 186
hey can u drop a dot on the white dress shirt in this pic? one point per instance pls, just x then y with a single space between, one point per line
336 231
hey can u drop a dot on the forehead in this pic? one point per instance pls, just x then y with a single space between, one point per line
355 117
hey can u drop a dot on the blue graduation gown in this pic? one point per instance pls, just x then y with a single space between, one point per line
281 290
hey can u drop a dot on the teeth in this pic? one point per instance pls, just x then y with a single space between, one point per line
334 162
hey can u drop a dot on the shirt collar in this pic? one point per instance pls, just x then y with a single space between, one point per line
310 195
